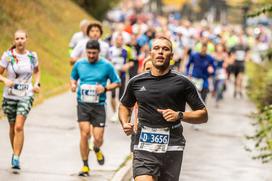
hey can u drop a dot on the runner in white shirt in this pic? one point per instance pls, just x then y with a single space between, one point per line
78 36
94 31
20 64
118 56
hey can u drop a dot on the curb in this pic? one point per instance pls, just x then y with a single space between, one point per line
125 173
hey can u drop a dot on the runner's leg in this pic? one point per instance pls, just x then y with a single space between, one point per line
18 141
145 178
84 136
11 133
98 136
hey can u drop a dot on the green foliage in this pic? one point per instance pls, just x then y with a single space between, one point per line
263 135
50 25
260 89
97 8
267 8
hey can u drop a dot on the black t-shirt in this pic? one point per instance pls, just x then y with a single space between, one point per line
170 91
240 52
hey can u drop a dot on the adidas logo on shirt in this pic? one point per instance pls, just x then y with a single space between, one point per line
142 89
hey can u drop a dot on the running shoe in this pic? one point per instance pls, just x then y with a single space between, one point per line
15 163
115 118
100 157
84 171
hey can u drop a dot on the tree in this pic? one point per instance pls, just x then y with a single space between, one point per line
97 8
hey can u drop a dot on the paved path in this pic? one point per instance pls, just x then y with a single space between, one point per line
216 152
51 150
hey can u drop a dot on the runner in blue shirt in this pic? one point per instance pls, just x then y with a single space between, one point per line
92 73
199 68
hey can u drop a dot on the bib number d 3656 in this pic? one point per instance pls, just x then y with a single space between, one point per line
154 139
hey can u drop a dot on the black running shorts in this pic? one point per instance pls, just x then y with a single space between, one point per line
164 166
238 67
94 113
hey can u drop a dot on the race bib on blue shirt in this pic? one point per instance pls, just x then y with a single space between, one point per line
88 93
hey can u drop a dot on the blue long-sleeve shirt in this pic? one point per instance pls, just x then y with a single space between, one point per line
197 67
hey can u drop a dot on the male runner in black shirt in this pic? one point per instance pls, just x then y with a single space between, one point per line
240 55
161 95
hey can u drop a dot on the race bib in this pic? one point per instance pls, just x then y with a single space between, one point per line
221 74
89 94
19 90
240 55
198 83
154 139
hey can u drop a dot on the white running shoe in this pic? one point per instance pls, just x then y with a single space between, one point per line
115 118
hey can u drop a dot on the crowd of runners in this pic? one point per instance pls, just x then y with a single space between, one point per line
152 66
211 56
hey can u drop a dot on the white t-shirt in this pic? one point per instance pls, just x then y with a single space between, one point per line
77 37
20 73
80 50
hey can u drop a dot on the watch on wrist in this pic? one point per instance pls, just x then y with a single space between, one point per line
180 115
105 89
38 84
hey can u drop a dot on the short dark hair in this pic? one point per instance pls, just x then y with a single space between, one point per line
93 44
167 39
94 24
204 45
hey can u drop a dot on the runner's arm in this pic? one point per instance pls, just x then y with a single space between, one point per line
74 78
100 89
112 86
199 113
124 114
193 117
77 52
37 75
2 78
196 117
188 65
6 81
73 85
128 101
73 61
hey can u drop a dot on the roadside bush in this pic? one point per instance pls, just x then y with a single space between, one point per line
260 91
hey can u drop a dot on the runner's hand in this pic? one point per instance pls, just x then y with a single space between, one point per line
168 114
100 89
127 66
36 89
73 87
210 69
8 83
128 128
